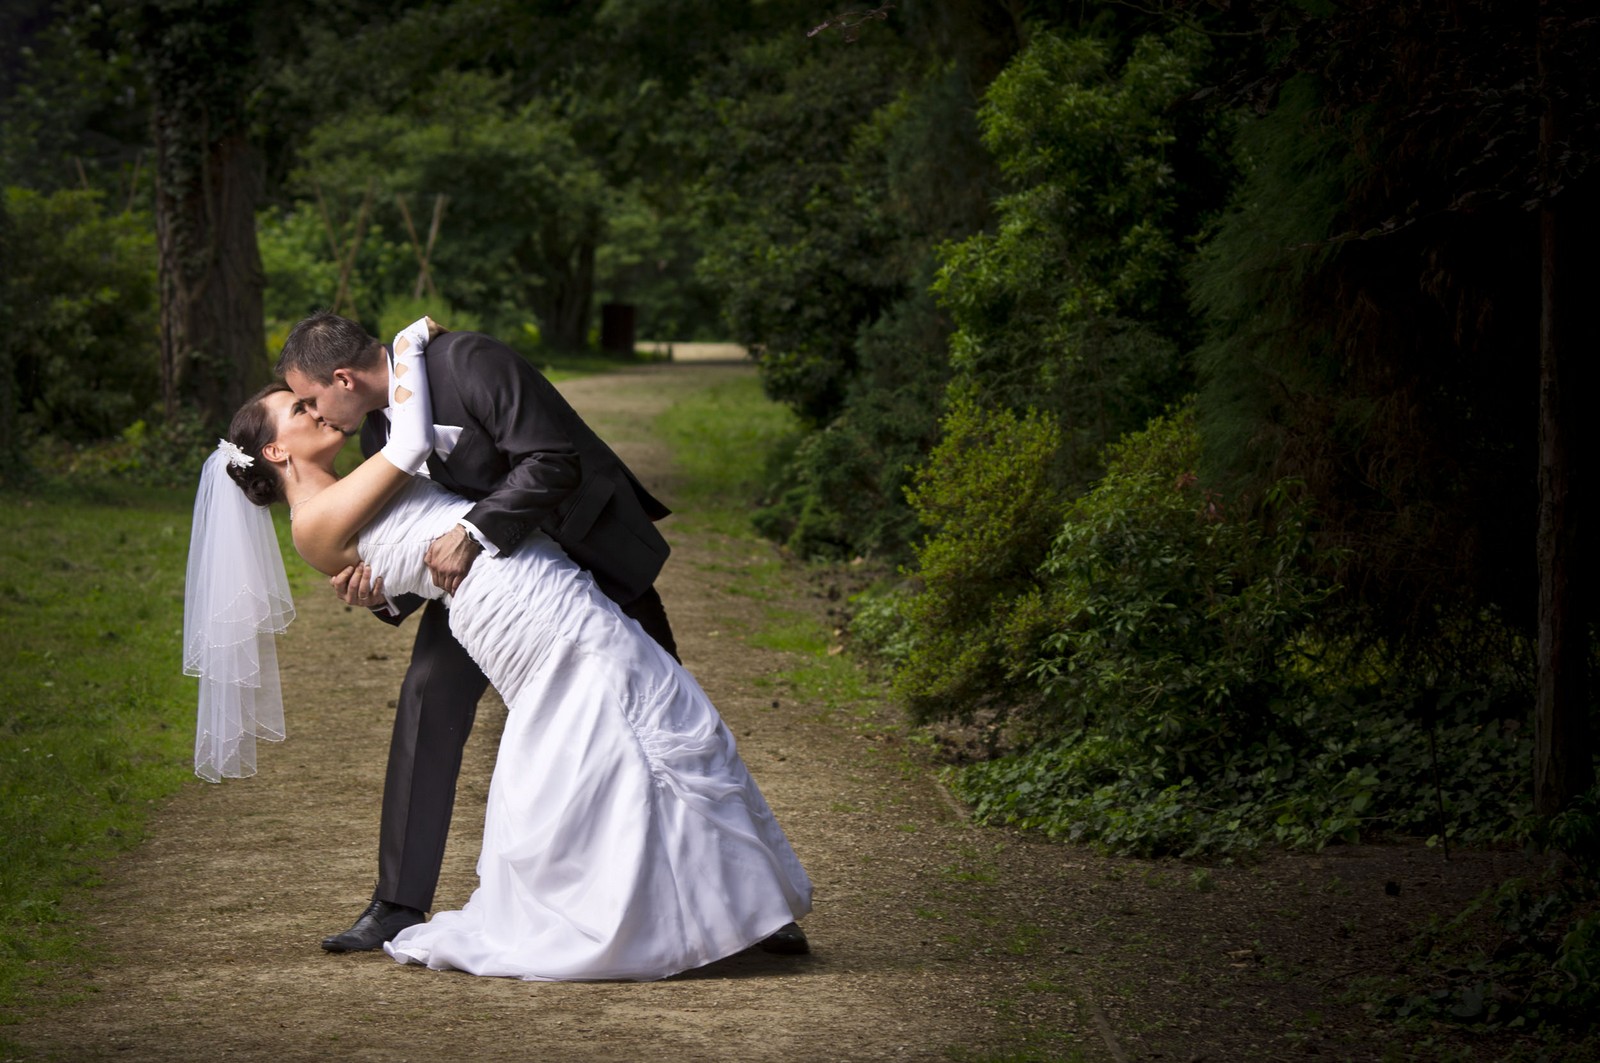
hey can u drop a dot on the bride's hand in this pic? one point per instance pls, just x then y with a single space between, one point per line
355 586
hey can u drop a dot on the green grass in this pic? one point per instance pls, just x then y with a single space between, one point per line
558 366
721 439
96 717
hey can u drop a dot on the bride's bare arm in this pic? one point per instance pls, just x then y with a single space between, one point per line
327 526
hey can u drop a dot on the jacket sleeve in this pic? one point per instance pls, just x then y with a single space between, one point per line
520 415
403 606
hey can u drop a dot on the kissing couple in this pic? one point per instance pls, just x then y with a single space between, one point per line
623 836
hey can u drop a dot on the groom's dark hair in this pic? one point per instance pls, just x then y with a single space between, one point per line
324 342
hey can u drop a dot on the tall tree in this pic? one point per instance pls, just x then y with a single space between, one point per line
603 79
1564 750
202 60
1392 328
72 112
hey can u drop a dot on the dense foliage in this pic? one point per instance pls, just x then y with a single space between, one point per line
1073 304
821 235
80 290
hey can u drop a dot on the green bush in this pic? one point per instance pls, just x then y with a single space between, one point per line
1074 303
298 265
398 311
991 504
1524 955
1343 766
1071 309
842 491
1156 640
878 626
160 452
791 210
302 274
1182 701
836 176
82 314
1168 619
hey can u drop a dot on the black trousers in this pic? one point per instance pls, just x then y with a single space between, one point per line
438 702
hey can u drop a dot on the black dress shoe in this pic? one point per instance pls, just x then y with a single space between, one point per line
787 940
379 923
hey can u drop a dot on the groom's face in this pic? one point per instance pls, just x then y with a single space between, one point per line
339 402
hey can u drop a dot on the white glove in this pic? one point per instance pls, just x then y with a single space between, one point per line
410 413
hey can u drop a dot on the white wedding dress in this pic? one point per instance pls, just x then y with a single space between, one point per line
624 838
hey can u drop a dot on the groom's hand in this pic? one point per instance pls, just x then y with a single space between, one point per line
450 558
355 586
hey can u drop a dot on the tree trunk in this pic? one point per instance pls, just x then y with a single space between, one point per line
212 346
207 186
1563 760
11 451
563 300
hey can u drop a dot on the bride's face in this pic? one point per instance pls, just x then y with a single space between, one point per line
301 433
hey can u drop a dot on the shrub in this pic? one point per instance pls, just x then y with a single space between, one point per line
1524 955
82 309
297 264
1343 766
842 491
988 497
1169 620
878 625
1185 702
1073 304
1158 639
837 175
401 310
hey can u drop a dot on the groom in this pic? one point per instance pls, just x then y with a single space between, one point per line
507 440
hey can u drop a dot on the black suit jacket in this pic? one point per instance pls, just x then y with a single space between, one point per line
529 462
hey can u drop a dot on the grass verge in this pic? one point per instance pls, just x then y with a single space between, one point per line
721 441
96 717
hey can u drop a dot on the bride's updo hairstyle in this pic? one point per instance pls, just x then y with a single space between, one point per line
253 428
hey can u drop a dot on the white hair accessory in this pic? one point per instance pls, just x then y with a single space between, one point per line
236 457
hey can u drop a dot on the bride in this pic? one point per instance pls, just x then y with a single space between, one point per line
623 838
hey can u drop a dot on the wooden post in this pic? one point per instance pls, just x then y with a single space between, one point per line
424 275
355 246
433 238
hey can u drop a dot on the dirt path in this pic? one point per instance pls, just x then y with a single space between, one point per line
932 940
